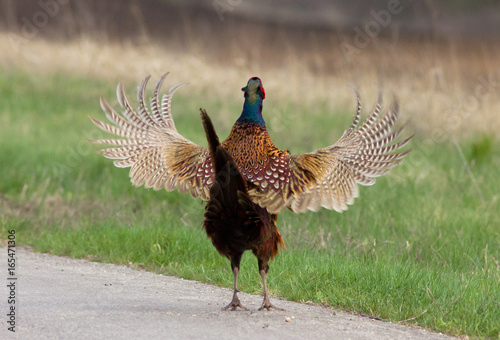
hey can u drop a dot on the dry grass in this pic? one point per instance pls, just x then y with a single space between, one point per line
447 88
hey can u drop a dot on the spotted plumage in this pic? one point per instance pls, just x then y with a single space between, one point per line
260 162
274 179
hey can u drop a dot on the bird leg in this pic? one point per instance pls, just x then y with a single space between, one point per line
235 302
266 303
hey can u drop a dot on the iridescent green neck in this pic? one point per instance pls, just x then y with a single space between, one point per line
252 110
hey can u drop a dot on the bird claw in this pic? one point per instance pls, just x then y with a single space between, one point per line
268 305
271 306
235 303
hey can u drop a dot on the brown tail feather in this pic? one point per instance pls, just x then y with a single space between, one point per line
212 138
227 175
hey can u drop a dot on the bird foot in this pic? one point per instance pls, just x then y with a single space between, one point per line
234 304
266 304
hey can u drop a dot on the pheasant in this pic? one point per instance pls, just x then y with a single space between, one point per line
233 221
246 179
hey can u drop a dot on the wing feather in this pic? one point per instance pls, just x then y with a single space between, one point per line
329 177
158 156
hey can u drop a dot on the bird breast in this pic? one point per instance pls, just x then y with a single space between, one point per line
258 159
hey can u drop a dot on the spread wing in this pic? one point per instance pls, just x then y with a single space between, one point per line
159 157
329 177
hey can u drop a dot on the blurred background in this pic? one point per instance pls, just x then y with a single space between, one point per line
440 57
422 246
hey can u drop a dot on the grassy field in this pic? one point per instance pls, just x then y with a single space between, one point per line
421 247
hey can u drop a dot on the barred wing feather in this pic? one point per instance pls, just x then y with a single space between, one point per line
329 177
159 157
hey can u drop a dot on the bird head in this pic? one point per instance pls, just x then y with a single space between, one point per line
254 89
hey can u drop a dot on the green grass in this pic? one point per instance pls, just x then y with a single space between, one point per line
422 245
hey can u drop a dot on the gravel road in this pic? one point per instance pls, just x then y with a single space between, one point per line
62 298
